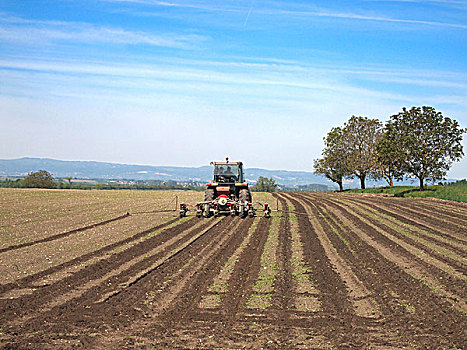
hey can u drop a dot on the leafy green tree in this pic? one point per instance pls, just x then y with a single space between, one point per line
360 135
428 142
68 178
39 179
388 159
333 165
265 185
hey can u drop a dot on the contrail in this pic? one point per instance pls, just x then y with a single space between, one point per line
248 15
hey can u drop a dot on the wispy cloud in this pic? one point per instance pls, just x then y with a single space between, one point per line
19 30
205 7
354 16
454 3
282 9
295 82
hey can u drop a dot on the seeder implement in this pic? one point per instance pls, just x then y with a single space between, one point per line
227 194
220 207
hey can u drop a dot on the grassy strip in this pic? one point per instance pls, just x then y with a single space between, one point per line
413 227
221 281
408 266
398 227
301 271
455 191
332 226
264 285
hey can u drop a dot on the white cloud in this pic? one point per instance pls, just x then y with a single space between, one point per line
300 11
355 16
17 30
206 7
240 73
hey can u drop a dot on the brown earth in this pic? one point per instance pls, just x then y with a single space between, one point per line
327 271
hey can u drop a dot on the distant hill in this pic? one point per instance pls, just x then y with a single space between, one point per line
102 170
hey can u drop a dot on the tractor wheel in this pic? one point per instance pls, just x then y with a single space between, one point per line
244 196
208 197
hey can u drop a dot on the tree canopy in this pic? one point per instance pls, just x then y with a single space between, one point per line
334 164
419 142
265 185
427 142
39 179
388 159
360 137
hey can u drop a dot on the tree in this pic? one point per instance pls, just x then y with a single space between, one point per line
388 159
333 165
68 178
360 136
39 179
428 142
265 185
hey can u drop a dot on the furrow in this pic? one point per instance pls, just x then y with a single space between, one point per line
45 277
399 253
71 317
333 295
186 304
220 283
177 306
458 213
358 293
264 286
282 298
453 234
445 274
406 302
77 284
63 234
305 292
454 256
246 271
67 315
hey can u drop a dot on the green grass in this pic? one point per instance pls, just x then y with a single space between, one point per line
456 191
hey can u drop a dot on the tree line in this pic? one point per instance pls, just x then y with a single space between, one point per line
419 142
43 179
264 184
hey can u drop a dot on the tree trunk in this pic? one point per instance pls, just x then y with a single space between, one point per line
421 184
391 182
341 188
362 182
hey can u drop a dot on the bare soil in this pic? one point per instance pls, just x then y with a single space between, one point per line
329 271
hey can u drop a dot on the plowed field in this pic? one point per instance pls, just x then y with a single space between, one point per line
327 271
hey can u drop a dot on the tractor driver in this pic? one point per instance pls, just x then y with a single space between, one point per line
221 171
229 173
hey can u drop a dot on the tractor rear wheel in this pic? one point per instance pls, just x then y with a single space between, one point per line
244 196
208 197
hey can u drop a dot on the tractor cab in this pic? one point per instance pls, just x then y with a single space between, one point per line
228 172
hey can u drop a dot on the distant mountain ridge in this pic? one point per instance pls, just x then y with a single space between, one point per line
103 170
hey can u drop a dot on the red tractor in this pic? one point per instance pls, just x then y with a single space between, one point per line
228 193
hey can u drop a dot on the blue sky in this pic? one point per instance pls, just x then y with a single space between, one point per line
177 82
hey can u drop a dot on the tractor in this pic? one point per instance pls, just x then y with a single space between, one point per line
228 193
